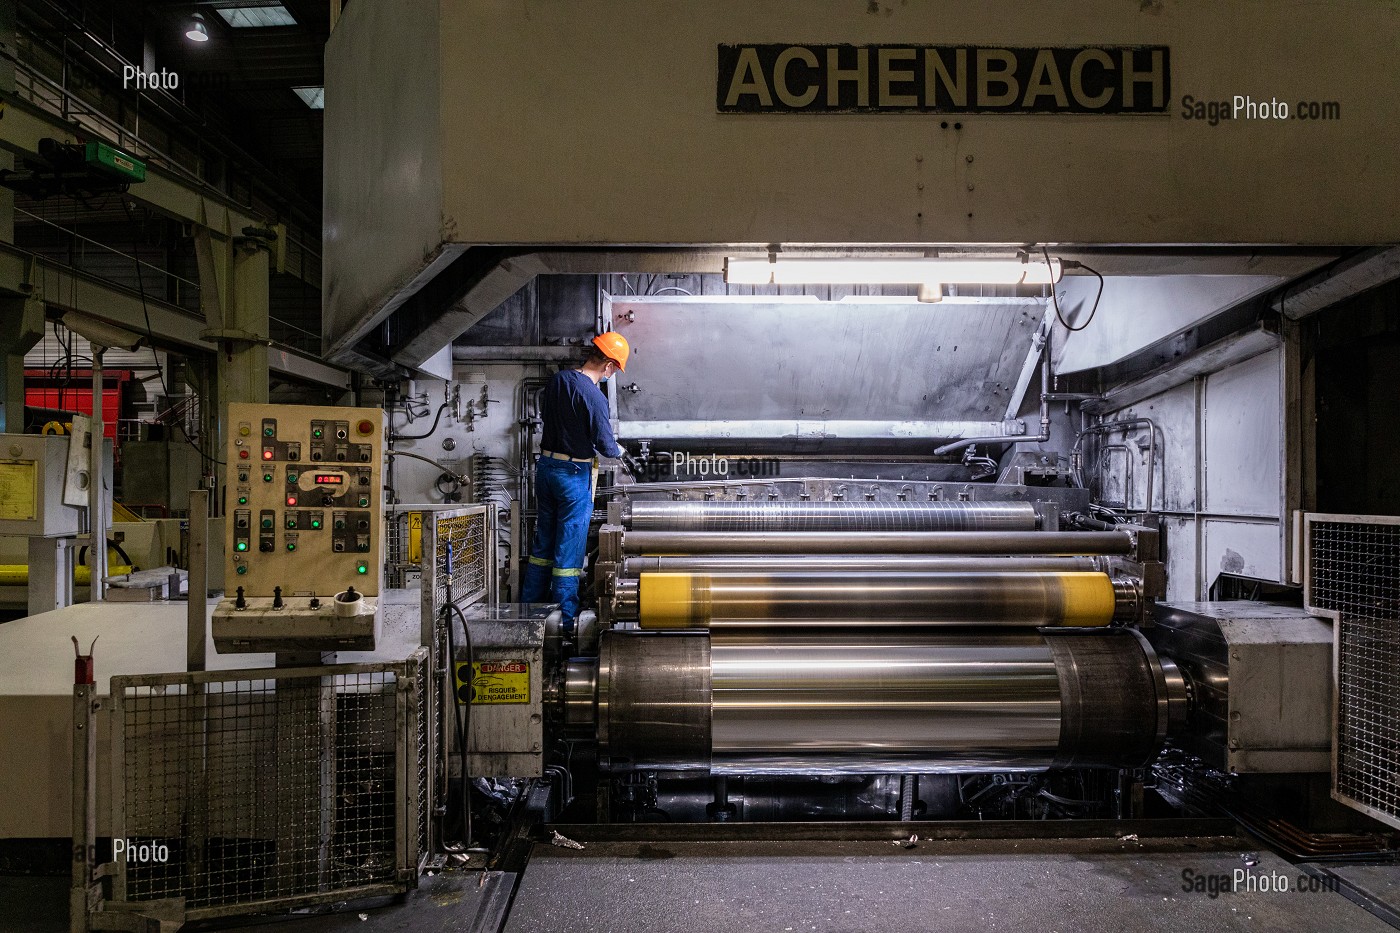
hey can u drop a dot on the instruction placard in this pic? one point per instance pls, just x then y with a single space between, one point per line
17 490
494 682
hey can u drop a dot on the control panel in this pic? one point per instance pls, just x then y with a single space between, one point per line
305 526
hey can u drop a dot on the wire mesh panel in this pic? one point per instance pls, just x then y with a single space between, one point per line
1353 569
256 789
459 545
426 725
459 566
399 562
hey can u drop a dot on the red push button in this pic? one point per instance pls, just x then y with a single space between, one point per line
243 455
267 453
365 427
291 500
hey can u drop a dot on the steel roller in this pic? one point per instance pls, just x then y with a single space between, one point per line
830 516
849 563
1047 543
799 600
834 703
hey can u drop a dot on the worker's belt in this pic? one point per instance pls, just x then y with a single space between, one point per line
553 456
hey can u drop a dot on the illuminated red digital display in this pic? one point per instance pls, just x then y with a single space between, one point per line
330 479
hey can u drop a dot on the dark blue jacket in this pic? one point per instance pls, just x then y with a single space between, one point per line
575 415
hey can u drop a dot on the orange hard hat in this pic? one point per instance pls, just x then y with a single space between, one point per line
614 346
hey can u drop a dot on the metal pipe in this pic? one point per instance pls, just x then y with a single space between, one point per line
878 542
533 354
1040 438
848 563
1023 380
1111 426
847 516
867 600
196 608
877 702
97 516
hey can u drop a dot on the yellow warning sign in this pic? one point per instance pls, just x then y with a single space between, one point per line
495 682
18 490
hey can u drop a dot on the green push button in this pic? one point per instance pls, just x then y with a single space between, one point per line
291 545
364 501
242 568
267 431
362 568
242 500
242 545
267 477
315 523
291 523
267 523
316 433
291 477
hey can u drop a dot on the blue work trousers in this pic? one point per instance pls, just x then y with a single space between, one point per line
564 493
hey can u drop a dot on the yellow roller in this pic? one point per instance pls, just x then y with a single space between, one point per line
677 600
18 574
671 600
1086 598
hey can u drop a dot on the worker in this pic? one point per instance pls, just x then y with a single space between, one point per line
577 430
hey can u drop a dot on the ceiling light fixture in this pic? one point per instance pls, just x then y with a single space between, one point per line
101 332
197 31
256 15
930 272
313 97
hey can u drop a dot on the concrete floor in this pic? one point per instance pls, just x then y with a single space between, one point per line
948 886
1016 885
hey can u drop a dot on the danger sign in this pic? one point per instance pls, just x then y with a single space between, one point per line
494 682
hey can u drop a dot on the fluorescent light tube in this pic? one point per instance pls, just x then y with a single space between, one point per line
890 271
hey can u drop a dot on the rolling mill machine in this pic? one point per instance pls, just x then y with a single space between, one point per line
797 659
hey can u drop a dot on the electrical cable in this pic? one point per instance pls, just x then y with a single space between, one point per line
112 545
145 310
150 334
428 433
1056 300
441 466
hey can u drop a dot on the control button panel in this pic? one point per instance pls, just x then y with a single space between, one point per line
307 501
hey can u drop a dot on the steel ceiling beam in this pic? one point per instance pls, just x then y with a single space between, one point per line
63 287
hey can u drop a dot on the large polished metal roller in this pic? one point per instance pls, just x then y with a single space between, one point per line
800 600
877 702
826 703
849 563
878 542
830 516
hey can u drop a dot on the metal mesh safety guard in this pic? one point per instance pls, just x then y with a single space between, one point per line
1353 569
248 790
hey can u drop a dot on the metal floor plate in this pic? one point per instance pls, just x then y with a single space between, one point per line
1060 885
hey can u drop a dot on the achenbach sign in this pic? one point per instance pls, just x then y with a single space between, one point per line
1115 79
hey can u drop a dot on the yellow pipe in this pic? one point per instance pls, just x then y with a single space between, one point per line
18 574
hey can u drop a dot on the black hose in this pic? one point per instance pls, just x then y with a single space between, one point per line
428 433
111 546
